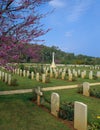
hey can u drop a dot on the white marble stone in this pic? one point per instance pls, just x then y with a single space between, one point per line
55 104
80 116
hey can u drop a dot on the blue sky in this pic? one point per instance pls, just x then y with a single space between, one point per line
75 26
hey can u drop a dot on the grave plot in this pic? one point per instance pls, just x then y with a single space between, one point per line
43 75
67 73
18 112
67 99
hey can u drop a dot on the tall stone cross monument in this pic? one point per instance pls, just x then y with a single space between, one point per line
53 65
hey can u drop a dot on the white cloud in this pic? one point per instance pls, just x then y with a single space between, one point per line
69 33
57 3
79 8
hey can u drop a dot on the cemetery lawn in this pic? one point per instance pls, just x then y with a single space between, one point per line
71 95
18 112
26 83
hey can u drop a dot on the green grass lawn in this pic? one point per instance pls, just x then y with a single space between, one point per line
71 95
18 112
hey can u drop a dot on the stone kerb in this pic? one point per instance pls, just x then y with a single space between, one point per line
80 116
55 104
86 87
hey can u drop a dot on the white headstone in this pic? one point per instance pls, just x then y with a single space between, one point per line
55 104
2 75
43 78
98 74
70 77
51 74
63 75
28 73
9 79
24 73
86 88
80 116
91 75
6 77
20 72
32 75
82 75
37 77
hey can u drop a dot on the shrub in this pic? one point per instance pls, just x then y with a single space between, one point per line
94 93
21 66
94 126
29 76
80 88
67 111
74 78
47 79
14 82
32 69
95 77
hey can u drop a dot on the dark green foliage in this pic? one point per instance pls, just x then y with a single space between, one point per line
34 96
94 125
14 82
80 88
94 93
32 69
95 77
21 66
47 79
29 76
43 54
74 78
67 111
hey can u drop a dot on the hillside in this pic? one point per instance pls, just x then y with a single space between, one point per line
43 54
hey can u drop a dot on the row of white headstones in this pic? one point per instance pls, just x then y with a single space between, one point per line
80 109
6 77
56 73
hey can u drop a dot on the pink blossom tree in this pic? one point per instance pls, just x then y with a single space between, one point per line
19 23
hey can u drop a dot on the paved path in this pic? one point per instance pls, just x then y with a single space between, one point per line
44 89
